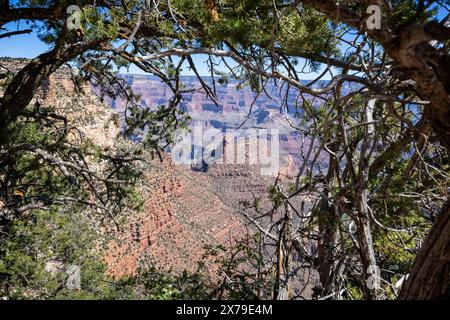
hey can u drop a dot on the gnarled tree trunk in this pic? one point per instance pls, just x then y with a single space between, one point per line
284 259
430 275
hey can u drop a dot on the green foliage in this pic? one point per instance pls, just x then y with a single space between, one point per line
157 127
151 283
37 250
276 196
248 276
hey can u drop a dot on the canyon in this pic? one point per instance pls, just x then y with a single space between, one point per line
237 108
184 210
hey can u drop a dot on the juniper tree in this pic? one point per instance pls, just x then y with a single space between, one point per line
400 66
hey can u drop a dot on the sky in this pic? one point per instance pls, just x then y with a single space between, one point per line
30 46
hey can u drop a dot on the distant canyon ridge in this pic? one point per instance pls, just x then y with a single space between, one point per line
238 109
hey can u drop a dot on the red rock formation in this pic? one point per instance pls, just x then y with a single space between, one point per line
184 212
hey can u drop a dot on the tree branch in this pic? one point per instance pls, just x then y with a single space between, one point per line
15 33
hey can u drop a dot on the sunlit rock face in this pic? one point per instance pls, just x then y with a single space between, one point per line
79 104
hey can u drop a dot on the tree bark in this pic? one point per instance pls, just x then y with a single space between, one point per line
325 249
366 250
430 275
327 222
284 258
27 81
367 255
